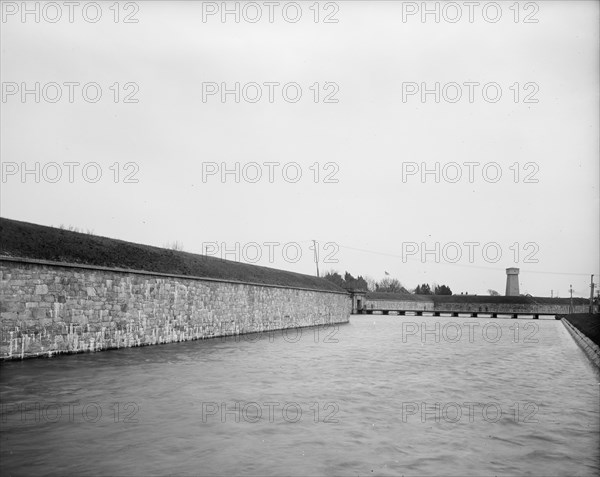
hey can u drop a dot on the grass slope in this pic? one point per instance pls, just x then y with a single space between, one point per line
27 240
587 323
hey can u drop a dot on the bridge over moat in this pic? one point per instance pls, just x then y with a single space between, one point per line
469 305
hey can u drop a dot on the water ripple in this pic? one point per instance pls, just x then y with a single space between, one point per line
376 402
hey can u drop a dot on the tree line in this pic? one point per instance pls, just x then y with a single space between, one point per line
386 284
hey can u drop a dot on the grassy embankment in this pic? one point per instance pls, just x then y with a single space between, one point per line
587 323
27 240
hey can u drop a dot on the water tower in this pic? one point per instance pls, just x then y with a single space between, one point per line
512 282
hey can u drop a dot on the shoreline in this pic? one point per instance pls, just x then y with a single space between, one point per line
591 349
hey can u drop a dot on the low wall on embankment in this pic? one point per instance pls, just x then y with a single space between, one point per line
524 305
395 305
510 308
48 308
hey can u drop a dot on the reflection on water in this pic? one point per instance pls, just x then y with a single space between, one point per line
382 395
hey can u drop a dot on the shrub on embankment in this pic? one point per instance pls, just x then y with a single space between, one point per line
587 323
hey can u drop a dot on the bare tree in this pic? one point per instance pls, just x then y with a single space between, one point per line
371 283
391 285
176 245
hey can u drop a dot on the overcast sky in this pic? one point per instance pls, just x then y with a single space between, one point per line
365 128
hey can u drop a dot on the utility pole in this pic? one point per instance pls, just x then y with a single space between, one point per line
551 293
592 295
316 253
571 304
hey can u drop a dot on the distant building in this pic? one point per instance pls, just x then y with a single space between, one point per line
512 282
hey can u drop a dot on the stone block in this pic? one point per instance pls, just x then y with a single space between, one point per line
81 319
40 313
17 306
41 289
9 315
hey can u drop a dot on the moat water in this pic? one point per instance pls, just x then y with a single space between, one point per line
382 395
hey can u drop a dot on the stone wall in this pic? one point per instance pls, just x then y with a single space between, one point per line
508 308
48 308
394 305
